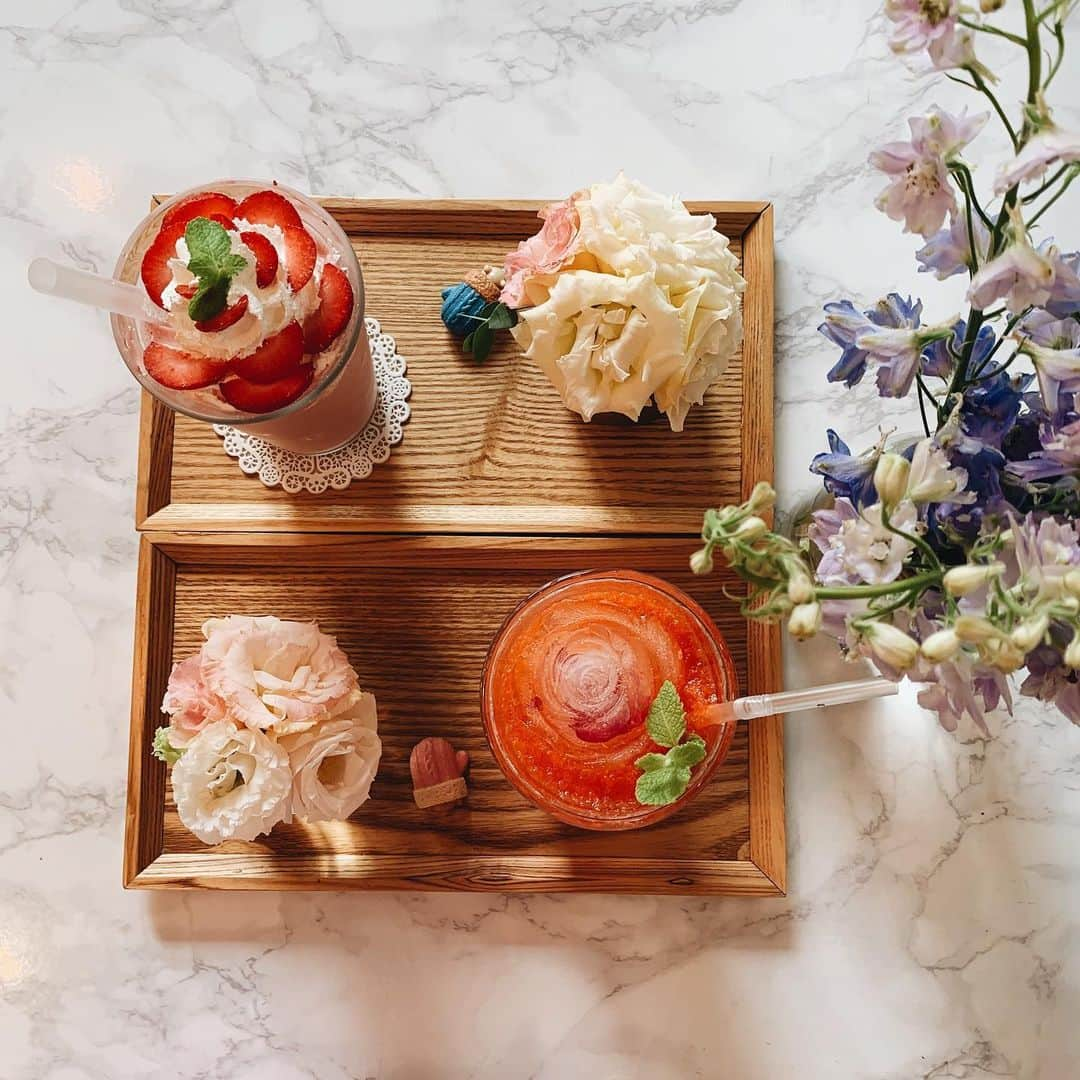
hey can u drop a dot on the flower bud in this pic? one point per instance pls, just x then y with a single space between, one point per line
988 7
800 588
891 478
1072 653
974 629
1068 604
1029 633
805 621
1004 655
751 529
961 580
890 644
761 498
1072 582
940 646
701 562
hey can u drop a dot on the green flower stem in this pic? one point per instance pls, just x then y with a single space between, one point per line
1054 198
981 86
890 588
1034 49
923 394
1048 184
1010 326
986 28
911 538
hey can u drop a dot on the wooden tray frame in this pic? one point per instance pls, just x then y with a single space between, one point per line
760 870
166 549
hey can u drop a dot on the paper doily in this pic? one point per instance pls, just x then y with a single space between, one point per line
355 460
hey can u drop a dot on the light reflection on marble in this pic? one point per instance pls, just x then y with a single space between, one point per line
931 927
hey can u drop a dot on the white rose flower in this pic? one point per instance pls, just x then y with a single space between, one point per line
650 306
231 783
334 762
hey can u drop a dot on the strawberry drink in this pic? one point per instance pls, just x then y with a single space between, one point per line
265 325
571 680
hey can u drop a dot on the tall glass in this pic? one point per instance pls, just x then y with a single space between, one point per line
339 402
569 679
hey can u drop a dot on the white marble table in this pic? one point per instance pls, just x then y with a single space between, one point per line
931 926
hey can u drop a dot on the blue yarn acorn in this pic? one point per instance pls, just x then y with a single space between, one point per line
471 310
464 303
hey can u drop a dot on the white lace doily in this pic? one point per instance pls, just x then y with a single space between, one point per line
355 460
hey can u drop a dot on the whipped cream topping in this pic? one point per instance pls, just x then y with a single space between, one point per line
269 309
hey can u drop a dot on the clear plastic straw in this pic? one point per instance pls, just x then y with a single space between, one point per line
814 697
51 278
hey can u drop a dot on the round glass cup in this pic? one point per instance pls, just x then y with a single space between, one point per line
718 740
341 398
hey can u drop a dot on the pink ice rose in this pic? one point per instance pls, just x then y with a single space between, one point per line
190 704
275 673
546 252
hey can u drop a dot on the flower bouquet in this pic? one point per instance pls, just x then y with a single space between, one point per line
622 298
267 723
952 557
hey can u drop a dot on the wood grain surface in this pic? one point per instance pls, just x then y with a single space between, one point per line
416 615
490 447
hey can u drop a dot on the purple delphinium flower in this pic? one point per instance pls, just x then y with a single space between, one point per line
1058 368
948 251
920 193
939 362
1021 275
918 24
1059 456
845 325
824 529
846 474
1049 680
1065 293
992 405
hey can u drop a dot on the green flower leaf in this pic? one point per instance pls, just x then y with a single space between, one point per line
163 749
501 318
666 722
659 787
483 338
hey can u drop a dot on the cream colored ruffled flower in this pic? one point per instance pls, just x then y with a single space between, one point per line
231 783
274 673
650 306
334 762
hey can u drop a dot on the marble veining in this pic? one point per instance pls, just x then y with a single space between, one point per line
931 926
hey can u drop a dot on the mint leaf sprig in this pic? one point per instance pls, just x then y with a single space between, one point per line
211 260
495 316
665 777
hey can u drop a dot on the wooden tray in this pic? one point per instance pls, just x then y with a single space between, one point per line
490 448
415 614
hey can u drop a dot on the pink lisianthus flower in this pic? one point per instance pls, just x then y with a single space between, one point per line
273 673
545 253
920 193
1050 146
191 705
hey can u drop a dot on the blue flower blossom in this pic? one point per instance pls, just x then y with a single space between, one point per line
845 474
938 361
845 326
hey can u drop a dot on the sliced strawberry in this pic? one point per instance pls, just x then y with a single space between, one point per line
300 257
275 358
266 260
266 397
334 310
181 370
187 291
224 319
223 221
155 272
205 204
269 208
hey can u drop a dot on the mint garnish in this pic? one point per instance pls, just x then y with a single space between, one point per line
664 777
163 749
211 260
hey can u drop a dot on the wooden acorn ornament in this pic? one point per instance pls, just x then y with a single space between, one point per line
438 772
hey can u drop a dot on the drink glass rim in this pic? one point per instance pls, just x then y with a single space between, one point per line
237 417
522 782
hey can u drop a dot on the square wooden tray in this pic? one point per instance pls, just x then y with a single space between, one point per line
415 615
490 448
495 490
